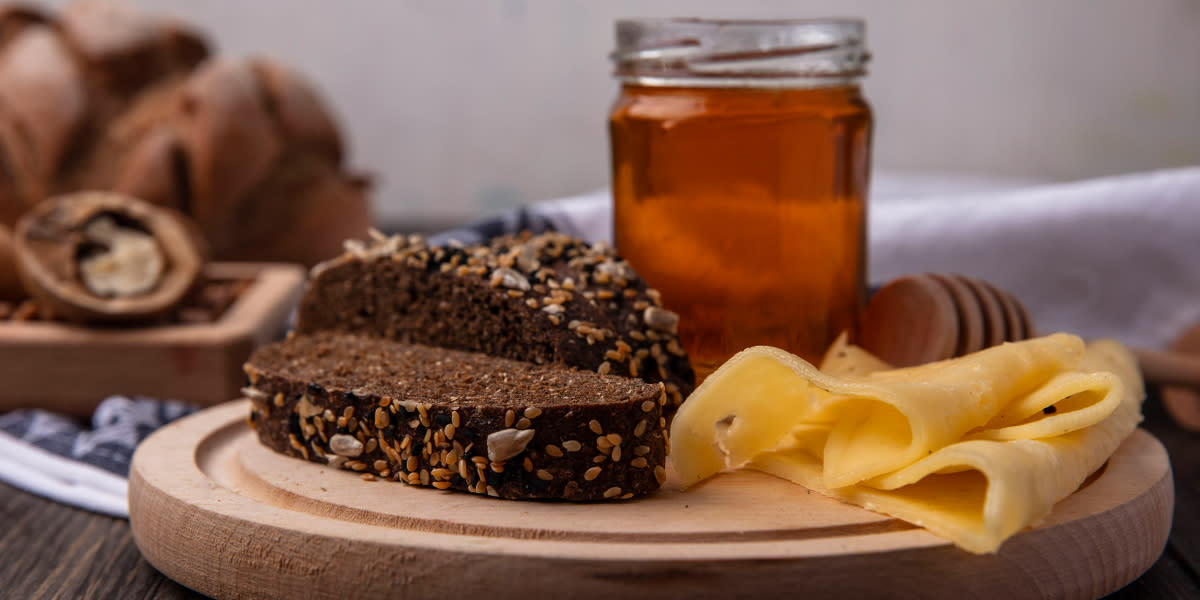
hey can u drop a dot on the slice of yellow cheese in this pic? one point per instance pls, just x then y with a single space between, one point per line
844 359
996 479
880 423
1065 403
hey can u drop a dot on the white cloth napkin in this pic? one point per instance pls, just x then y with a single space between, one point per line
76 463
62 479
1113 257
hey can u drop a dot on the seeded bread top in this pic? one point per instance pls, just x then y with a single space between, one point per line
375 367
546 298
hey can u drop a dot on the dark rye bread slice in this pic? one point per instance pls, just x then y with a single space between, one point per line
458 420
546 299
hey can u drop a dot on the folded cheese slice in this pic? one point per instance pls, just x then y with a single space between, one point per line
878 423
999 477
977 493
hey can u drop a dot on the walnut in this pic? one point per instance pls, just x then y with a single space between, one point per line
127 261
98 257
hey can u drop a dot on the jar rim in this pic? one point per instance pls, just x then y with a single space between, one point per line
740 52
852 21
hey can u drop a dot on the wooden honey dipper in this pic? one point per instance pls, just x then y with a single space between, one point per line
932 316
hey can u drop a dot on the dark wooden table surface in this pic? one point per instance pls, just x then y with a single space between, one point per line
48 550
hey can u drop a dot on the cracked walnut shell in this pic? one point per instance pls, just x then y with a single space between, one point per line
99 257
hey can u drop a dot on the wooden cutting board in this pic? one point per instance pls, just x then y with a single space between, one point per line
217 512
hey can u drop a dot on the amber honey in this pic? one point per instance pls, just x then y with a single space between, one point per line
746 208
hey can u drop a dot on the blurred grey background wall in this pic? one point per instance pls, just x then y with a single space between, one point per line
465 107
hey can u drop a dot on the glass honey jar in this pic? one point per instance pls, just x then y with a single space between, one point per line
740 163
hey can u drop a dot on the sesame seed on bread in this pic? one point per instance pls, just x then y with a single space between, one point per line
547 299
458 420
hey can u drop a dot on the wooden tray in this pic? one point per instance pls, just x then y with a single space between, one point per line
219 513
71 369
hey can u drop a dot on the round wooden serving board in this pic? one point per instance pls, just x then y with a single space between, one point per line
219 513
